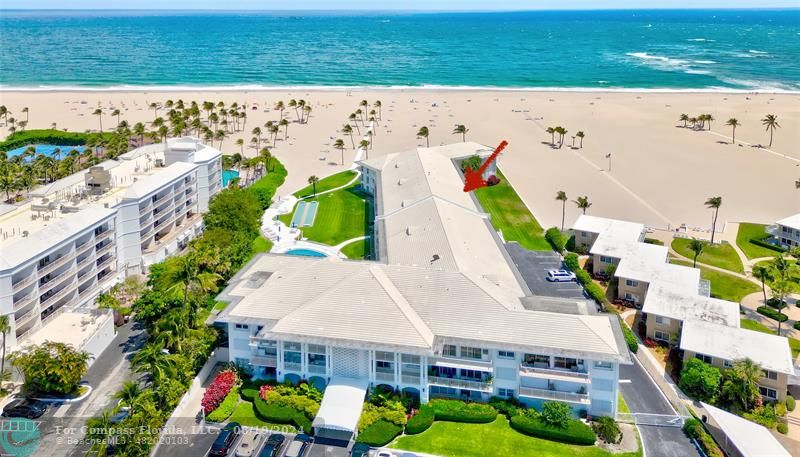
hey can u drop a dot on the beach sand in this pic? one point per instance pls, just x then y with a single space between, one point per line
660 173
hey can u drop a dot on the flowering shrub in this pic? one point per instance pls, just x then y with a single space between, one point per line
649 342
493 180
220 388
262 391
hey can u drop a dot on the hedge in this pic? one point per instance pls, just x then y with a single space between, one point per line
225 409
420 421
379 434
773 303
571 262
459 411
281 414
790 403
630 338
607 429
694 429
48 136
771 313
764 244
264 189
556 239
796 325
576 432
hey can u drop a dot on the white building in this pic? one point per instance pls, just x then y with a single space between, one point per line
440 314
787 231
80 235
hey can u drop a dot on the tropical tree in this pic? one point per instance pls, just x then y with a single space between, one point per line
685 118
240 143
26 111
339 144
129 394
696 246
5 327
280 107
183 275
117 113
379 105
51 367
293 104
99 113
285 124
783 271
741 383
265 156
462 130
347 129
307 112
424 133
313 180
770 121
154 360
714 203
552 132
580 135
582 203
709 118
365 144
762 272
562 197
257 133
700 380
733 123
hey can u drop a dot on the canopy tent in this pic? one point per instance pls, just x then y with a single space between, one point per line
337 418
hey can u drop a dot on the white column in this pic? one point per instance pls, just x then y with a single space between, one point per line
304 360
328 363
397 377
280 361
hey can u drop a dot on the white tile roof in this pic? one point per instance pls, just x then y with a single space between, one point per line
749 438
151 183
678 277
342 404
613 228
772 352
644 253
667 302
791 221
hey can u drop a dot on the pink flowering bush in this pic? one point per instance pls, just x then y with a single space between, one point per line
220 387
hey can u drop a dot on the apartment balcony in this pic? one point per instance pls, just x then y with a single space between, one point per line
459 363
265 361
26 300
410 379
86 260
84 248
317 369
83 293
104 249
166 209
53 281
146 219
43 270
384 376
146 232
103 236
26 281
105 262
45 302
88 273
554 374
146 208
163 199
547 394
164 222
290 366
458 383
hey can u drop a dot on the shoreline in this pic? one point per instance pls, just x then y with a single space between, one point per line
379 88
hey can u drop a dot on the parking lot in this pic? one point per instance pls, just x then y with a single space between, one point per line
534 265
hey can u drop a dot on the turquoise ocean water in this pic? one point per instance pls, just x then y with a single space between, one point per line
686 50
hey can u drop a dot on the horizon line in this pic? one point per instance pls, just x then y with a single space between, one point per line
417 10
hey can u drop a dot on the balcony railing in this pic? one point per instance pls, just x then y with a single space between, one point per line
317 369
23 301
83 293
527 370
24 317
61 293
103 236
162 199
410 379
384 376
146 231
85 260
53 281
104 249
43 270
88 272
25 282
290 366
546 394
164 210
460 383
104 263
164 222
265 361
85 247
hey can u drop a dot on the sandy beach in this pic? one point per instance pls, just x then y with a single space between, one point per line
660 172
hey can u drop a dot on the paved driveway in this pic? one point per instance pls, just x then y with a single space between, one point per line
643 396
534 265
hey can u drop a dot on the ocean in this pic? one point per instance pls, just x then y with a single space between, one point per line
616 50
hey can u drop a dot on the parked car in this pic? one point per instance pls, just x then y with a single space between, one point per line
222 445
359 450
560 276
408 454
248 445
273 445
384 454
25 407
298 446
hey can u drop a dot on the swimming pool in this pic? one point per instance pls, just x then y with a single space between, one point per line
228 176
305 253
46 149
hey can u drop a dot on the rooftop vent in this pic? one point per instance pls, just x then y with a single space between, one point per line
435 258
401 181
97 180
408 230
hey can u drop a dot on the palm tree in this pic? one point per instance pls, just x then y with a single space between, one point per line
714 203
339 144
99 113
117 113
365 104
379 105
696 246
139 129
219 135
128 394
347 129
154 106
733 122
762 273
563 132
354 119
280 107
285 124
580 135
240 143
5 327
552 132
462 130
424 133
273 130
265 155
25 110
741 382
709 118
293 104
771 122
307 111
313 180
693 121
152 359
702 119
562 197
582 203
685 118
257 132
364 144
184 275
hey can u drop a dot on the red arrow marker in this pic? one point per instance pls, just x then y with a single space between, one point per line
474 179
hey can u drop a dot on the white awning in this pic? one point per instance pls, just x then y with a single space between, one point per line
749 438
466 364
341 405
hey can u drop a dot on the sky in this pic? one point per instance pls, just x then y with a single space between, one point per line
449 5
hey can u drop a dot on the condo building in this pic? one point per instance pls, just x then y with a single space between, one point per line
442 312
786 232
78 236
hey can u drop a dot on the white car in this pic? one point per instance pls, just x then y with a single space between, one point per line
560 276
248 445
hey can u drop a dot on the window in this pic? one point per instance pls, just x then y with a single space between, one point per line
705 358
386 356
604 365
767 392
727 364
291 346
259 328
471 353
770 375
566 363
316 360
449 350
606 259
242 327
316 348
382 366
505 354
662 320
631 283
661 336
537 360
505 393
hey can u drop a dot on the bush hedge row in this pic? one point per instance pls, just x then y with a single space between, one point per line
772 313
379 434
459 411
790 403
225 409
264 188
774 303
764 244
556 239
48 136
694 429
420 421
281 414
796 325
576 432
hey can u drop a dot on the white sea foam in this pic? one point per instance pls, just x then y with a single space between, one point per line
704 62
701 39
753 51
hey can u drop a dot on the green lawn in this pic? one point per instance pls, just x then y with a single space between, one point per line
245 415
510 215
622 406
719 255
750 324
342 215
723 285
331 182
260 245
749 232
356 250
454 439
